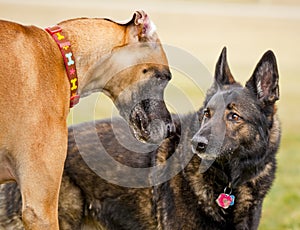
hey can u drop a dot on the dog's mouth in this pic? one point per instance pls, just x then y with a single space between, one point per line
149 127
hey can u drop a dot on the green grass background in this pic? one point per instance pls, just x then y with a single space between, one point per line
202 28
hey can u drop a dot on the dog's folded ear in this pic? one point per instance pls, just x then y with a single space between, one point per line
223 74
264 80
142 28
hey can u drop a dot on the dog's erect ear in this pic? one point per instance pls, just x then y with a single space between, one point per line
223 75
264 80
142 28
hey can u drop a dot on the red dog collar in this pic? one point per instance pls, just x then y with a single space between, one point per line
69 60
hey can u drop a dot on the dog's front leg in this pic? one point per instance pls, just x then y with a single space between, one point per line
39 172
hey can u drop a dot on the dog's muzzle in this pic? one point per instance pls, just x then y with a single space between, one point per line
149 125
206 148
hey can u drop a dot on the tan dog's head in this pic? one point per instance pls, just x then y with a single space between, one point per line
141 73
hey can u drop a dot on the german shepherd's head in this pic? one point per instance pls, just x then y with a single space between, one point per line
239 127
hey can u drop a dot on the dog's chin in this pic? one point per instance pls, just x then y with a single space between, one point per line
207 156
204 154
221 157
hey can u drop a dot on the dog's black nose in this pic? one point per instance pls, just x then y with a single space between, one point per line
201 147
199 144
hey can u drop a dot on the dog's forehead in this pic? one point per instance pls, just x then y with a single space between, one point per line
223 98
140 53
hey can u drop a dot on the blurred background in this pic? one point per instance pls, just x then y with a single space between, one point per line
201 28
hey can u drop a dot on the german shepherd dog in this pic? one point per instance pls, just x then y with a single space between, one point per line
226 153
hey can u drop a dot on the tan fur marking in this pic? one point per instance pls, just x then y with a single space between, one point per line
35 93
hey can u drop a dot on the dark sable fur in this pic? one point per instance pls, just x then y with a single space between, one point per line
246 160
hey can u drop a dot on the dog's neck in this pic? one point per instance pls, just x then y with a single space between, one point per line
92 50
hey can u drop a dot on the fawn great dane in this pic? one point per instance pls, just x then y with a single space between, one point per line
38 70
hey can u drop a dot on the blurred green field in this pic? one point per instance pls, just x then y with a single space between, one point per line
202 28
281 207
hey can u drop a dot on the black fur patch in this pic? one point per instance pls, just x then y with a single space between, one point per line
243 163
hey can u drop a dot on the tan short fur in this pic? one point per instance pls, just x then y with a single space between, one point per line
35 93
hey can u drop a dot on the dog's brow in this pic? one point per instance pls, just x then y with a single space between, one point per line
231 106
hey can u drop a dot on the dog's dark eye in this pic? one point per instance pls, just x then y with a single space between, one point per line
145 71
233 117
206 113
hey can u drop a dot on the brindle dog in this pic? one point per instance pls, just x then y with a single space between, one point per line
125 61
226 149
